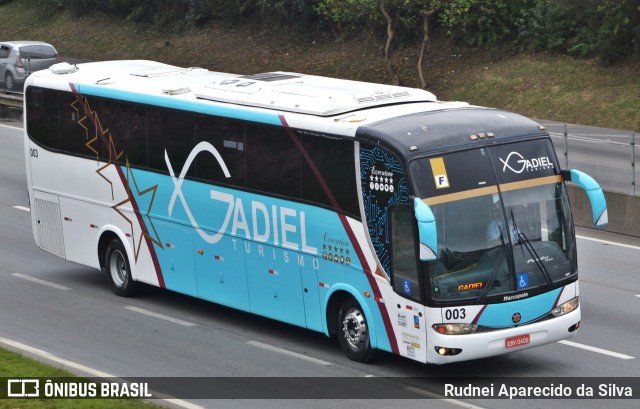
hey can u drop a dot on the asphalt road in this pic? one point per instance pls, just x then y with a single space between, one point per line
65 314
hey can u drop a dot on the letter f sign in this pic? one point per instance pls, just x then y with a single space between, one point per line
441 181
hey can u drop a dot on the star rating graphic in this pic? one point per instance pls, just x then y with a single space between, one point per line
381 183
336 254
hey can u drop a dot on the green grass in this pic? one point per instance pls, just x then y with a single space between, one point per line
557 88
14 365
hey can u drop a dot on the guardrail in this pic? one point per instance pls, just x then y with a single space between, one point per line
8 99
609 156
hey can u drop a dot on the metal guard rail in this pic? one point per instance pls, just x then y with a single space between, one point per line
11 100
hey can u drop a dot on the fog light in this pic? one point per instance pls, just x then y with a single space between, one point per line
455 329
574 326
447 351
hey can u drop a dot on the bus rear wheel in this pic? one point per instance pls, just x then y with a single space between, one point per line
118 271
353 332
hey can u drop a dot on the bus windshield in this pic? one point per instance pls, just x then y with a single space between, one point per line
503 220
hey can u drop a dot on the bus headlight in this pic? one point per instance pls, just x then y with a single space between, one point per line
455 329
566 307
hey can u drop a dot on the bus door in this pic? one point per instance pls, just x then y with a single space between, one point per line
410 315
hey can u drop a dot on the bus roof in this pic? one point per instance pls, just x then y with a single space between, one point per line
409 120
282 91
414 134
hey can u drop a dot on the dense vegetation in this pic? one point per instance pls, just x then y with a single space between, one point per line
606 29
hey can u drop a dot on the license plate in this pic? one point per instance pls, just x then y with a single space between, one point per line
518 341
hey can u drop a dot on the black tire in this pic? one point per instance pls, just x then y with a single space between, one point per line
118 271
353 332
10 82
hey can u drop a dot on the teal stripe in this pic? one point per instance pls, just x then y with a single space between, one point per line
202 107
499 315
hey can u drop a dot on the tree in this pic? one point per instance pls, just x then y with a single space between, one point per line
380 20
425 9
368 15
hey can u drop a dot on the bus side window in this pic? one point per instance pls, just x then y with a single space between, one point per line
127 125
335 161
404 258
78 135
43 117
273 161
227 137
172 131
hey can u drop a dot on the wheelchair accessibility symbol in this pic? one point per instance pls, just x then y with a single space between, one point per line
406 284
523 280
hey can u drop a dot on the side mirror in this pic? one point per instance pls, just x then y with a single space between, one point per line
427 233
594 193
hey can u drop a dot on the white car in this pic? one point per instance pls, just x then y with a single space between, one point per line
18 59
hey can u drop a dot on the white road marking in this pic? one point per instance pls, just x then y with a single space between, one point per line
39 281
26 209
439 397
638 295
11 127
597 350
613 243
160 316
79 367
51 357
289 353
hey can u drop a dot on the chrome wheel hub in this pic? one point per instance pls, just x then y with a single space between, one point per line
354 328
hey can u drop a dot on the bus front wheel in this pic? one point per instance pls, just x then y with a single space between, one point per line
117 270
353 332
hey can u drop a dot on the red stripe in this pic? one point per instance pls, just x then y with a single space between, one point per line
123 179
347 227
558 299
475 320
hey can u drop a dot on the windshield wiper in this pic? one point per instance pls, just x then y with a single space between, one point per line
526 243
493 275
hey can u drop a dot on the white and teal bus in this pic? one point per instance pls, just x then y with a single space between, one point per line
438 231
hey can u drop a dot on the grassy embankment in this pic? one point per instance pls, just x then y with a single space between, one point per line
14 365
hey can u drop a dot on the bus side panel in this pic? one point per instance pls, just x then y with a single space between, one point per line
409 320
309 274
175 255
30 150
74 180
221 273
275 286
80 224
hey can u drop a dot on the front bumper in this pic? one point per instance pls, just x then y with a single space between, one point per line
492 343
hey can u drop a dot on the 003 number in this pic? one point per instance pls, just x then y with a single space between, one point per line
455 314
